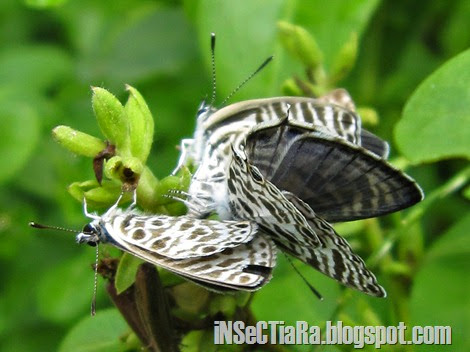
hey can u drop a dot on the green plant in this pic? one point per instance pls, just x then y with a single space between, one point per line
49 57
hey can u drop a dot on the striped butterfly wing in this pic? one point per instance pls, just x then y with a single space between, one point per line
374 144
229 126
339 180
252 197
368 140
243 262
310 113
277 212
217 130
334 256
333 112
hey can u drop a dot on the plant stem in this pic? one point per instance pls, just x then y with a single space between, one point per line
453 185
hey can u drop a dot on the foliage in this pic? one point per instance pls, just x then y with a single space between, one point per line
408 56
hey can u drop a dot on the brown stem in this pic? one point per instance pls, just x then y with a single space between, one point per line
145 307
154 311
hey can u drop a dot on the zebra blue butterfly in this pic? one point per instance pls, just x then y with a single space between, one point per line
332 116
220 255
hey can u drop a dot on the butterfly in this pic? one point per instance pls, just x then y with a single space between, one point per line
326 159
219 255
332 117
335 112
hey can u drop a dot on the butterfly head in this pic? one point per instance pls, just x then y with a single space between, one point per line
90 234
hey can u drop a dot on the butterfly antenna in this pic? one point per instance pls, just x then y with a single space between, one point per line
95 282
214 80
263 65
310 286
48 227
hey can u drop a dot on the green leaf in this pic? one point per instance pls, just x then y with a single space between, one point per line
440 291
159 41
45 3
225 304
18 136
100 333
78 142
240 52
35 68
126 271
288 294
65 291
466 192
140 124
436 119
111 118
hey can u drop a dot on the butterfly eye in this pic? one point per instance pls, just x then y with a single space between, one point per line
88 228
204 110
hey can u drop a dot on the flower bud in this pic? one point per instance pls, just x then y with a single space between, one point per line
301 44
345 59
140 123
78 142
111 118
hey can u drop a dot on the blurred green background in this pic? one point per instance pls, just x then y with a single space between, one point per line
52 51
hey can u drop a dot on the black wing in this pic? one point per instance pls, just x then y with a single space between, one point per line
339 180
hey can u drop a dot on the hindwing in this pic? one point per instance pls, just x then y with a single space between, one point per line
339 180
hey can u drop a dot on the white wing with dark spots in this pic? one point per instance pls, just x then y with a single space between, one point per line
226 255
181 237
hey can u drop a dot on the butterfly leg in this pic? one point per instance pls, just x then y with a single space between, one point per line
134 199
85 211
177 195
197 207
186 150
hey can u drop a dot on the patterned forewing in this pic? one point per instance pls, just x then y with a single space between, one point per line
339 180
181 237
307 112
